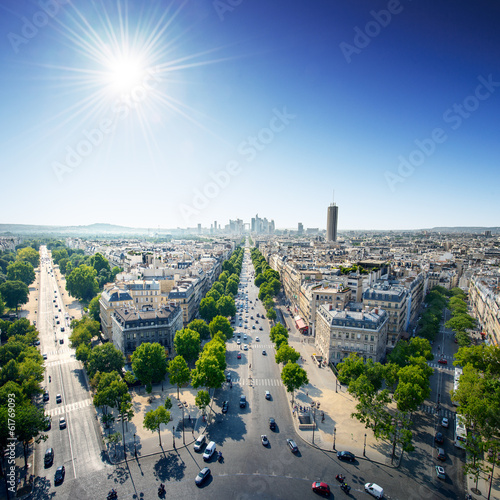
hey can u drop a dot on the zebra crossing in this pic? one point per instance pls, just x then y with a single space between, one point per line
443 412
258 381
61 410
65 350
444 367
62 362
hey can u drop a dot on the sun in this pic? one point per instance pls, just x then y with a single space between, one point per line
124 74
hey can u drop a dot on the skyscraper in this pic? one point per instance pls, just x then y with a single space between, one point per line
331 222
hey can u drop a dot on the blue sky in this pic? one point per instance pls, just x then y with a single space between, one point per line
169 114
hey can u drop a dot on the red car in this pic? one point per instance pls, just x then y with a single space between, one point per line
239 355
322 488
442 361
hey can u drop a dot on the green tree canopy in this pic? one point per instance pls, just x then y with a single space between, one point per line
21 271
154 418
278 329
149 363
214 294
226 307
208 309
293 377
14 293
207 373
105 358
221 324
187 344
200 326
286 354
202 400
95 309
30 255
179 372
82 283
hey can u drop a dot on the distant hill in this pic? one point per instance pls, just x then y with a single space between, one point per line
461 229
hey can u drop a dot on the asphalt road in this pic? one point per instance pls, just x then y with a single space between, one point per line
78 446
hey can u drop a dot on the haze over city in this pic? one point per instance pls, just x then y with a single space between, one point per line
170 114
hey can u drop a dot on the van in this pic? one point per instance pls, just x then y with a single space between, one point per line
198 444
375 490
441 455
209 451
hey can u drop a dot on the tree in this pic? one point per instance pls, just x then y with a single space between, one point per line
231 287
217 347
278 329
293 377
221 324
219 287
404 352
286 354
226 306
223 277
187 344
114 439
280 340
275 286
208 309
207 373
30 422
179 372
98 262
14 293
21 271
200 326
259 279
30 255
84 331
82 283
95 309
202 400
23 327
271 314
149 363
154 418
461 322
214 294
105 358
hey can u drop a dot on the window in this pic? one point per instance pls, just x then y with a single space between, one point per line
372 338
371 347
352 336
359 336
366 337
347 335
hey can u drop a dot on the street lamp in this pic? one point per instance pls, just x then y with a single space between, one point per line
364 448
334 432
135 448
173 435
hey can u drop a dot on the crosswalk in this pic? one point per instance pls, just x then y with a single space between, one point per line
61 410
443 412
64 350
267 382
444 367
62 362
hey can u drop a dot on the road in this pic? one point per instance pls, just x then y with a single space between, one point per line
78 446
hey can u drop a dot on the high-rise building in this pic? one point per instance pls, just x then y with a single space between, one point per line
300 228
331 222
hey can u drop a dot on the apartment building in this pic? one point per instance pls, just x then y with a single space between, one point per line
484 299
394 300
184 294
133 326
112 298
358 330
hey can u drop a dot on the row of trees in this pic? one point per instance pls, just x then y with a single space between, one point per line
268 281
428 324
21 376
17 272
388 395
219 300
460 320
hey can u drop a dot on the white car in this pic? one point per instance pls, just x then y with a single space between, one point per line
445 422
257 339
264 439
238 342
245 347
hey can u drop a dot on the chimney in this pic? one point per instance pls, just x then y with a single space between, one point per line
376 311
330 307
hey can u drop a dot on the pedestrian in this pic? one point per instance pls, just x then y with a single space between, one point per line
189 418
307 393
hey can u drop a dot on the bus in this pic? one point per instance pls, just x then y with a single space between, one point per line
458 373
460 432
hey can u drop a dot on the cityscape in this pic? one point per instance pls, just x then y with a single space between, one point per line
250 250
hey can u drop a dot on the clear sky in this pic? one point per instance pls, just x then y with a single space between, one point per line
172 113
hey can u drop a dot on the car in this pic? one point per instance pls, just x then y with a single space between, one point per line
198 444
442 361
46 396
441 455
62 328
243 401
202 476
238 356
264 440
48 423
228 377
61 341
238 334
260 328
59 476
292 445
44 356
238 342
319 487
48 459
272 423
245 347
264 352
37 342
445 423
440 472
257 321
257 339
62 423
244 336
209 451
225 406
439 438
58 398
251 317
375 490
245 327
346 455
253 327
57 322
268 395
258 315
246 321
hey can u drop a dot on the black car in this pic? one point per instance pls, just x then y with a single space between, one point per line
439 438
272 424
228 377
225 406
45 396
346 455
60 473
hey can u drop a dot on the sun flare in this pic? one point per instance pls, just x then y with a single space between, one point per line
124 74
